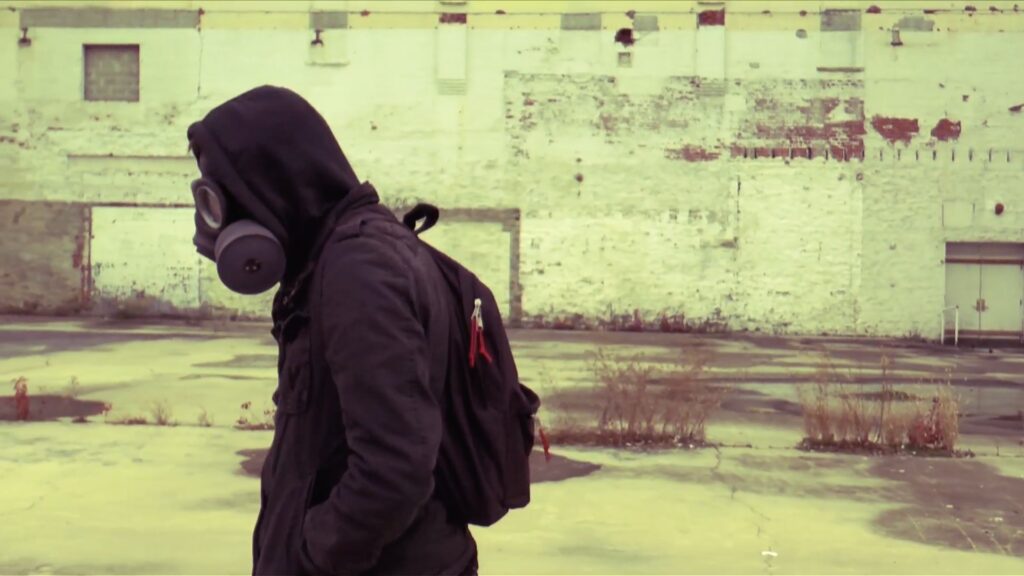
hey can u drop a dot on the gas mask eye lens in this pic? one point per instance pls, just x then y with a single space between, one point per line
209 203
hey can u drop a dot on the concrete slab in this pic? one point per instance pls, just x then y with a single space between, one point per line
94 498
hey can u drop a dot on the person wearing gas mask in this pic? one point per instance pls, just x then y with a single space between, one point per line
361 323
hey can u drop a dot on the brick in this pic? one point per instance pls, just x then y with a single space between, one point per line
44 257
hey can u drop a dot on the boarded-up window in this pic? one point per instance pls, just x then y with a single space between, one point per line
112 73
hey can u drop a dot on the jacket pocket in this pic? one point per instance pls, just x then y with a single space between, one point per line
295 373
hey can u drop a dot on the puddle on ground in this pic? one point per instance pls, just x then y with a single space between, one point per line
47 407
959 504
541 470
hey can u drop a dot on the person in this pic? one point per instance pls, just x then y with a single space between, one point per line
361 320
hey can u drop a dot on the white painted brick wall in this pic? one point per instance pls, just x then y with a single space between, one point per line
804 246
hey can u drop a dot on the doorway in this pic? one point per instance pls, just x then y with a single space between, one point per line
986 282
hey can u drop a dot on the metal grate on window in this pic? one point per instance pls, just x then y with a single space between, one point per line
112 72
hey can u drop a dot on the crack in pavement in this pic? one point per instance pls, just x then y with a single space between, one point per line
767 554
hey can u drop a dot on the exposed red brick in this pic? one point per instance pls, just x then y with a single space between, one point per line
631 14
946 129
711 18
847 152
737 151
452 18
896 129
691 154
364 13
874 10
529 101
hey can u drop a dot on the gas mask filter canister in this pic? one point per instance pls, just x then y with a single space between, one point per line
250 259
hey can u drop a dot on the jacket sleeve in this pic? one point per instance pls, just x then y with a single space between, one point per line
377 351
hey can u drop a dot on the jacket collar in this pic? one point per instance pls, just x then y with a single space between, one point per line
359 197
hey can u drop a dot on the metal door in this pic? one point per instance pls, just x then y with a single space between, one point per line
1002 287
963 286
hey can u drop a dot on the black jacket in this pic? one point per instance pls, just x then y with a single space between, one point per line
348 484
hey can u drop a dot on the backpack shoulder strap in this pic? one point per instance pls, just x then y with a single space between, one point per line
428 211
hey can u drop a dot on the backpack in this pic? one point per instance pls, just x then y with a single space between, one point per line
483 465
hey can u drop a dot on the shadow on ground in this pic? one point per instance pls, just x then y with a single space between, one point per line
957 504
47 407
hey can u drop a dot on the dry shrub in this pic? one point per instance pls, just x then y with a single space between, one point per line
629 410
73 389
939 427
21 397
204 420
640 407
835 417
247 421
129 421
689 400
161 412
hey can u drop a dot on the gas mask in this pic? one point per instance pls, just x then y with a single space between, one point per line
249 258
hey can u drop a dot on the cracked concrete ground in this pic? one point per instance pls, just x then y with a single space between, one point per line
102 499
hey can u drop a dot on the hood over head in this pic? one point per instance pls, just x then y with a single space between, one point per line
278 162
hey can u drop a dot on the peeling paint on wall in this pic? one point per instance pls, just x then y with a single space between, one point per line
896 129
711 18
946 129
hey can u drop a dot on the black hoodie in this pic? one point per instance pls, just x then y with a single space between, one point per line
279 161
347 486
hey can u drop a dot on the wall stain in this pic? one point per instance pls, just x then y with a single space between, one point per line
946 130
896 129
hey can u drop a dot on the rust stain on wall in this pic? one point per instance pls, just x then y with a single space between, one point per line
452 18
711 18
896 129
946 129
691 154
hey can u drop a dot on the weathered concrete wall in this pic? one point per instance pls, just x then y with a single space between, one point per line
44 257
778 166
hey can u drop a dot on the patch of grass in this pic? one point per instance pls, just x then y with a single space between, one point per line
161 412
73 389
247 421
836 419
129 421
204 420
